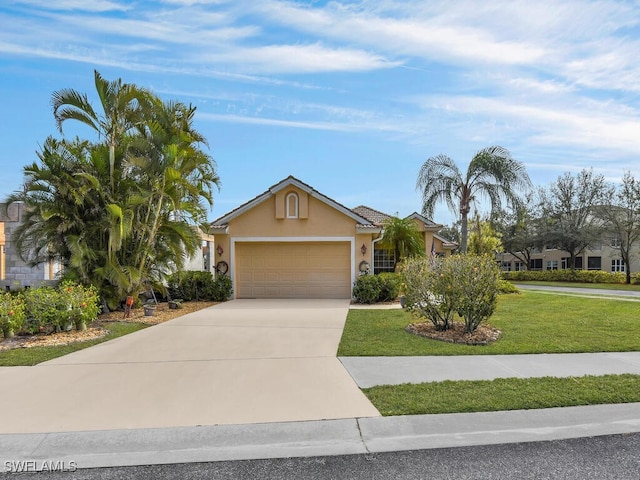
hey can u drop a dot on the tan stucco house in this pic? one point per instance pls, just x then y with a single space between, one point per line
292 241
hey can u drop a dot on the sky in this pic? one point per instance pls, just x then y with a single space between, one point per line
349 97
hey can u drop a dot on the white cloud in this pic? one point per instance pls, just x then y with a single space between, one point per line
78 5
299 59
593 125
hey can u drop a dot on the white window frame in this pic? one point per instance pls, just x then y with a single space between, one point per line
287 200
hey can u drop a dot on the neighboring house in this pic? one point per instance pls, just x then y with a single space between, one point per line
604 256
202 260
293 241
14 272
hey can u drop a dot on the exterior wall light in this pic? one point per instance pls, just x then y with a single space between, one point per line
363 249
219 249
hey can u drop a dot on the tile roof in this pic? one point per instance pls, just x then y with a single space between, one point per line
374 216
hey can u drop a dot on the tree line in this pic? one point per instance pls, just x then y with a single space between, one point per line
573 213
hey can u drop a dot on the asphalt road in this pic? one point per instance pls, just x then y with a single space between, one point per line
615 457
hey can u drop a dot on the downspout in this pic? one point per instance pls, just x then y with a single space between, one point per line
373 250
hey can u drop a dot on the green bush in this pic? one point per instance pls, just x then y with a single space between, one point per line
42 309
579 276
12 313
81 303
222 288
195 285
389 287
367 288
425 286
507 287
474 287
465 284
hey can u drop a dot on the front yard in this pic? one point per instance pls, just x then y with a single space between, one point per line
531 323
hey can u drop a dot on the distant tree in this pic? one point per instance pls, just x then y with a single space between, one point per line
483 239
621 213
403 236
519 229
492 173
568 207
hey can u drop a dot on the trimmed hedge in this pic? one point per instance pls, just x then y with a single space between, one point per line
195 285
578 276
383 287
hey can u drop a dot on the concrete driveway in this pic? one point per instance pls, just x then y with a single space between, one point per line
244 361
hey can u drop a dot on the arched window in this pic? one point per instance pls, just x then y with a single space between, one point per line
292 205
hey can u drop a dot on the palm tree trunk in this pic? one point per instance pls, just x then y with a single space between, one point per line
464 233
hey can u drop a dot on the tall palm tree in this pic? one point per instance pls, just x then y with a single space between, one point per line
122 110
492 173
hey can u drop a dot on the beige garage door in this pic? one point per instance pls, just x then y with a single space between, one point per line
293 270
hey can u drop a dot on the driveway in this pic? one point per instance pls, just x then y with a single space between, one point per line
244 361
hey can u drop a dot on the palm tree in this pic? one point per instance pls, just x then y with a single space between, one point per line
492 173
403 237
146 224
122 110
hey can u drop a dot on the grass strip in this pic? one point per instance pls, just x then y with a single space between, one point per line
592 286
531 322
503 394
33 356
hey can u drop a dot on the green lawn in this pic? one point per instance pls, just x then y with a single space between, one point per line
503 394
35 355
531 322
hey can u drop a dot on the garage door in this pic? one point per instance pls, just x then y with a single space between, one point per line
293 270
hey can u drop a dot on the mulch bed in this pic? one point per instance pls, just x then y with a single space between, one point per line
484 335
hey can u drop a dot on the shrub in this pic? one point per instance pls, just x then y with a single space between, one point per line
195 285
389 287
425 287
465 284
81 303
473 287
367 288
222 288
12 313
42 309
507 287
579 276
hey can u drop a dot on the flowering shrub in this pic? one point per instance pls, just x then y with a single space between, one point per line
12 313
80 304
42 309
464 284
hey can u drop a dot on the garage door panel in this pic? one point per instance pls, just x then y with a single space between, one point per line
293 270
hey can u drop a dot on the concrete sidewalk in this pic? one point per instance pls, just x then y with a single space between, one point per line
317 438
371 371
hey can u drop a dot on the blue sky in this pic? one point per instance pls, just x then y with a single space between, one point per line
350 97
